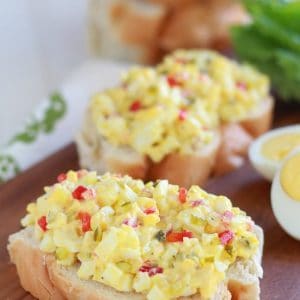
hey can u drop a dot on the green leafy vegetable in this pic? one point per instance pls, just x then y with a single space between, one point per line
272 43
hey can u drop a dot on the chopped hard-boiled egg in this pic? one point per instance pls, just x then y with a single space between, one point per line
269 150
177 106
155 238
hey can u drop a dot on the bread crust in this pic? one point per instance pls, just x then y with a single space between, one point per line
186 170
48 280
236 137
261 120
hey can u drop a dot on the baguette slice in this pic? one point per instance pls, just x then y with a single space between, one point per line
96 153
125 30
203 24
45 279
237 137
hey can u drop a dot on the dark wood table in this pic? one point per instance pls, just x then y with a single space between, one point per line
245 187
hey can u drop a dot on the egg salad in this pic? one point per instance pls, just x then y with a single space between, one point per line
235 89
151 116
156 238
177 106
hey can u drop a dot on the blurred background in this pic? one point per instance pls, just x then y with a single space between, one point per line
43 41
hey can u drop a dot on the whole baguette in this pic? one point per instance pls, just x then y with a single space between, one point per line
41 276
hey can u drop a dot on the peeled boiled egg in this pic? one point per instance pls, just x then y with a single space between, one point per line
269 150
285 194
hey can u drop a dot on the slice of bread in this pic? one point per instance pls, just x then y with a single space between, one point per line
203 24
237 137
125 30
97 154
45 279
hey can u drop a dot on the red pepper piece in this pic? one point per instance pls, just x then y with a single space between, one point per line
173 81
61 177
182 194
42 221
174 237
226 237
182 115
132 222
151 270
135 106
78 193
241 85
150 210
85 219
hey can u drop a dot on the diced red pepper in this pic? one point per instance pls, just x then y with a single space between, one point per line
78 193
150 210
241 85
173 81
42 221
226 237
85 219
182 115
182 194
61 177
174 237
150 269
135 106
196 203
132 222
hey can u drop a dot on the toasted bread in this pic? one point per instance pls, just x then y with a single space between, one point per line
45 279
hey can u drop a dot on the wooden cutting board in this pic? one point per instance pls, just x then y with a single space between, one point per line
247 190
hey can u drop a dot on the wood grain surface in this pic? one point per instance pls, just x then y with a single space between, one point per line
247 189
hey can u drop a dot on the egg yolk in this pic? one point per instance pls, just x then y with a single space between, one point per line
290 177
277 148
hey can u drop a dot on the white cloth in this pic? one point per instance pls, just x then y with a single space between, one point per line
91 77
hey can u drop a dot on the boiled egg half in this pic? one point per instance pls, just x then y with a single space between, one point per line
269 150
285 194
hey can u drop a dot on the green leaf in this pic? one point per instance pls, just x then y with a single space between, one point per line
55 110
8 167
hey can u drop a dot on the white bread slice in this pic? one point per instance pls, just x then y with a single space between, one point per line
41 276
125 30
237 137
95 153
201 24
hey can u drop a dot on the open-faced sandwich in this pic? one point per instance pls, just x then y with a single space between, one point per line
113 237
193 115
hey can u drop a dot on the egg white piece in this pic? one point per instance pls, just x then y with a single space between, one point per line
264 166
285 208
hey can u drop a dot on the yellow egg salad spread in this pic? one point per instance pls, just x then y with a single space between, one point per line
236 89
177 106
151 117
156 239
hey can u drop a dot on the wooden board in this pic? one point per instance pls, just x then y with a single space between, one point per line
247 189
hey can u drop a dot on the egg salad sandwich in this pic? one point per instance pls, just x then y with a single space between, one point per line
112 237
193 115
